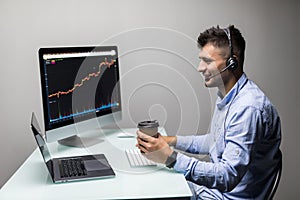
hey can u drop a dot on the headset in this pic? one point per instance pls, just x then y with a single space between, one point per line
231 62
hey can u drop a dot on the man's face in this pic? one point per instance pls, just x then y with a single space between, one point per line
211 63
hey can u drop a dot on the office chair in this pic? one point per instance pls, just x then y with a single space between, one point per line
276 182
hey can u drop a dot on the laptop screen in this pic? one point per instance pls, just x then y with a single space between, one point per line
39 139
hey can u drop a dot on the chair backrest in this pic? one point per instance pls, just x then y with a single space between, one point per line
276 182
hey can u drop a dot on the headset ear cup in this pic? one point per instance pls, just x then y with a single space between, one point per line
232 63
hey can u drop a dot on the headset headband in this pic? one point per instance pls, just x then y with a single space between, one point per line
227 31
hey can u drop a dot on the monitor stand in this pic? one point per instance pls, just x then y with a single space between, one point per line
80 142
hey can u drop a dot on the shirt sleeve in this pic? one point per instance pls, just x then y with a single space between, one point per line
194 144
225 173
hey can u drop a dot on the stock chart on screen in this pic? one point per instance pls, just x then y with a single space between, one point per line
81 83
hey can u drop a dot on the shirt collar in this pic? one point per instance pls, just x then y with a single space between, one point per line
222 102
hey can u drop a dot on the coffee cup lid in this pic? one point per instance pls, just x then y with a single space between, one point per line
148 124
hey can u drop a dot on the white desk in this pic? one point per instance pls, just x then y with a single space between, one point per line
32 180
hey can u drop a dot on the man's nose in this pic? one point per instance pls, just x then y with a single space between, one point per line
201 66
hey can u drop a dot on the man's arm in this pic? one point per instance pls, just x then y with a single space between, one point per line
158 149
171 140
226 171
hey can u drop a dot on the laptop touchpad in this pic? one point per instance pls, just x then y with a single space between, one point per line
95 165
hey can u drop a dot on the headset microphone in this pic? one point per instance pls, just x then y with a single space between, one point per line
223 70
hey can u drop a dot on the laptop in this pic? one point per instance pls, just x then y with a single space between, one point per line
75 168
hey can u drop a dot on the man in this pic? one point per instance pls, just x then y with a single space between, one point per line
244 136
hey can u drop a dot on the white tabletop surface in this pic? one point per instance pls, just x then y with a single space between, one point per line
32 180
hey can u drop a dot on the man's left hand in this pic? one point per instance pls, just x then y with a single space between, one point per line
155 149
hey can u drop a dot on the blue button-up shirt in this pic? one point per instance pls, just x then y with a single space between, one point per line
243 145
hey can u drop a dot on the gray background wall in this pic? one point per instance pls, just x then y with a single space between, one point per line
158 52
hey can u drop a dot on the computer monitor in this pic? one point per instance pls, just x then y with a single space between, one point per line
80 91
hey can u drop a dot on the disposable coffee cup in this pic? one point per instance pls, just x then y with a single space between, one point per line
149 127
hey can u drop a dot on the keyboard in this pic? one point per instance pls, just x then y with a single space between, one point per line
72 167
136 159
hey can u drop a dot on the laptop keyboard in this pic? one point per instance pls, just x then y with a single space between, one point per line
72 167
136 159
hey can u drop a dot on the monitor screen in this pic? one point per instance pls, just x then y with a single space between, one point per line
78 84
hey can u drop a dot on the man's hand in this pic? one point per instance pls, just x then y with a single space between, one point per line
155 149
